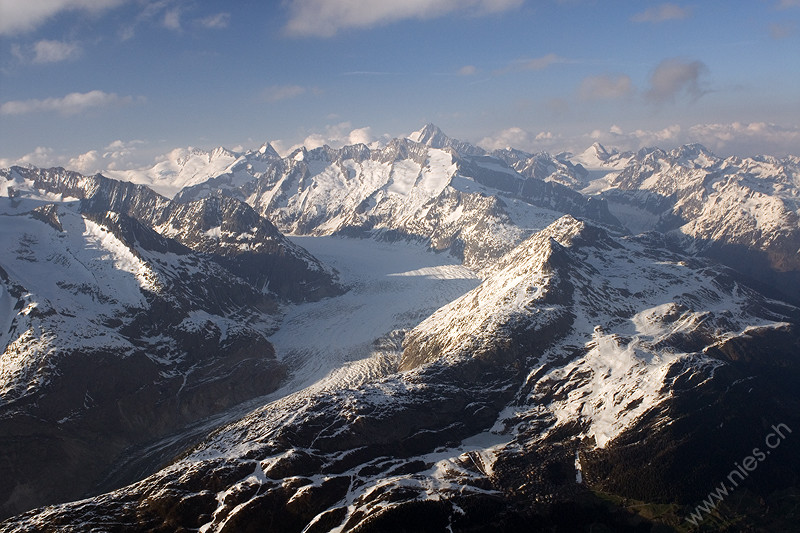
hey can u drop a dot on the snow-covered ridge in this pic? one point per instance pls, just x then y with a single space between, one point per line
393 191
434 189
246 243
749 202
744 212
125 311
182 167
572 281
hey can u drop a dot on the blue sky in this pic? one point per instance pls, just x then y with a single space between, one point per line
98 83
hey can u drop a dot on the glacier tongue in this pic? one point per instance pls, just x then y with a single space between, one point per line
392 287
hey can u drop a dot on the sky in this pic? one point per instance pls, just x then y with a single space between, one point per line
105 84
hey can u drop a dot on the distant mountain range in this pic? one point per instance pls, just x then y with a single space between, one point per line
634 336
743 212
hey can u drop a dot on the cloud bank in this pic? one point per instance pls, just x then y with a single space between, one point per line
605 87
662 13
326 18
339 135
71 104
118 155
19 16
736 138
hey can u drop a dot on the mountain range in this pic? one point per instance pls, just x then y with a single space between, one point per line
741 211
477 341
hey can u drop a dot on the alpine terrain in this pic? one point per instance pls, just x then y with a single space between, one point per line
415 335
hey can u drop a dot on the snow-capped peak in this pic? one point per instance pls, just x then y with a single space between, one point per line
598 150
431 135
597 157
266 150
693 155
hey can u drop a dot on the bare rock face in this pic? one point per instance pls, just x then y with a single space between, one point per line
580 364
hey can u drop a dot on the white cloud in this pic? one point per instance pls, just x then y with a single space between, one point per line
781 30
276 93
748 138
662 13
16 51
70 104
325 18
786 4
127 33
541 63
360 135
122 155
169 14
220 20
742 139
521 139
41 156
673 77
605 87
667 137
514 137
172 19
467 70
120 150
118 155
54 51
736 138
339 135
334 135
19 16
88 163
